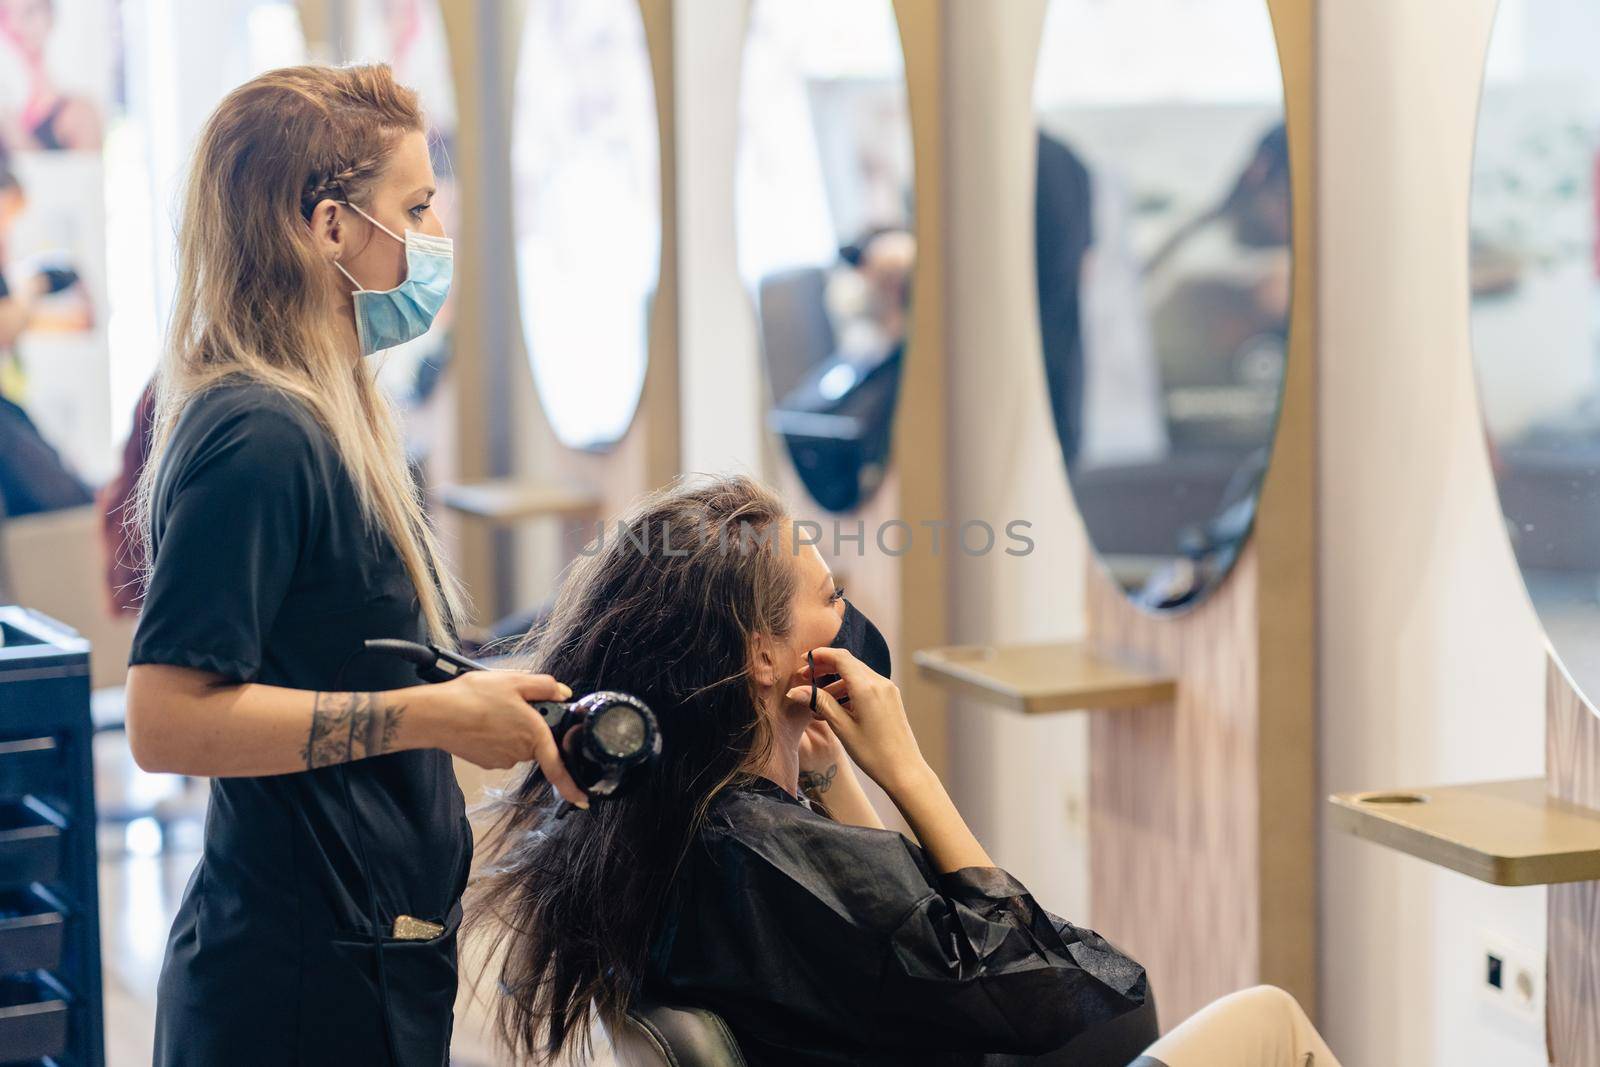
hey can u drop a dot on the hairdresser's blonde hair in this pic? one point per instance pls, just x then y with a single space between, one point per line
253 300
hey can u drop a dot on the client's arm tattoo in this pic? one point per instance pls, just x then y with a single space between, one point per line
350 726
818 782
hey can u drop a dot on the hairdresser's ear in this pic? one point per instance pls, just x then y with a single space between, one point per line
328 230
763 661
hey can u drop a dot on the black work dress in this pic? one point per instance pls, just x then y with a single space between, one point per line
264 571
822 943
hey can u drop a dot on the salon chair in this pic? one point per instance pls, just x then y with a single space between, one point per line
796 333
660 1035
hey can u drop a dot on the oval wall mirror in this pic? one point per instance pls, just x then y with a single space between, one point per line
585 157
1535 285
1164 263
824 227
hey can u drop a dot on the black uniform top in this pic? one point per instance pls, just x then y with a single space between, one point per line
264 571
822 943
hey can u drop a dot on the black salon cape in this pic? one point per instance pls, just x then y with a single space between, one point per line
264 571
821 943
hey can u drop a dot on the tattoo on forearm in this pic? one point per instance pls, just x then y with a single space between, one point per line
350 726
818 781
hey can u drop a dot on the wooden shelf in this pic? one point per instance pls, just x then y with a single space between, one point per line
1035 679
1503 833
511 501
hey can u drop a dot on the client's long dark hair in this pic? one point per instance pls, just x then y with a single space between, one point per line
666 608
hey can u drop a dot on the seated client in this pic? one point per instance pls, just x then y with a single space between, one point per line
745 871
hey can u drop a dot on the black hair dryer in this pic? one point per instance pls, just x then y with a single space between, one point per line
603 736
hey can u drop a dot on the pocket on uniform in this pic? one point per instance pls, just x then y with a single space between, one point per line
420 977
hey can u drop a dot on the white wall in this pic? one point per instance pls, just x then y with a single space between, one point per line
1023 783
724 394
1430 653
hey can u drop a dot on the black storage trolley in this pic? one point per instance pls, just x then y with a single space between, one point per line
50 993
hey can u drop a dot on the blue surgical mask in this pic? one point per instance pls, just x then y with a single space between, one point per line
389 317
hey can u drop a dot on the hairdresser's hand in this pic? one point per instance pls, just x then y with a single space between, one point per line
487 718
871 722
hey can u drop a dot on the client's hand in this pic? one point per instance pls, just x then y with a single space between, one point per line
820 751
828 777
486 718
872 723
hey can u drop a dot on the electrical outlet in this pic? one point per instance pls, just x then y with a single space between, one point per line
1511 977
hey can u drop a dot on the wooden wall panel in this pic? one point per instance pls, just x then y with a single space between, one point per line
1202 820
1572 964
1172 797
920 468
470 545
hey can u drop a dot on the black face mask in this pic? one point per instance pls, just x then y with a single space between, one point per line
862 640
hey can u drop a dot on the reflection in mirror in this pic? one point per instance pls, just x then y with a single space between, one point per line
585 161
409 35
1162 230
1536 308
824 182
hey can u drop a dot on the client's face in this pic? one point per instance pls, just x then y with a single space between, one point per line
816 613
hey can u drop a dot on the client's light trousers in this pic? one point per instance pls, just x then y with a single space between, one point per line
1259 1027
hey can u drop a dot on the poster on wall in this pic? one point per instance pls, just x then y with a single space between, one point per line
56 70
